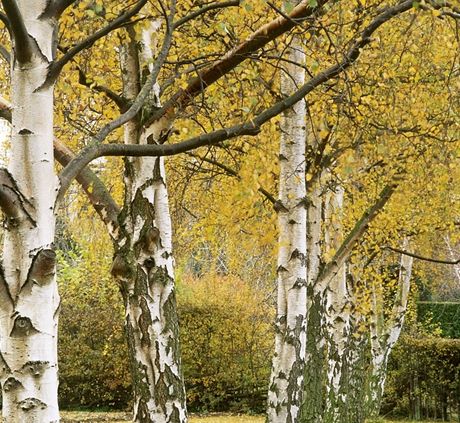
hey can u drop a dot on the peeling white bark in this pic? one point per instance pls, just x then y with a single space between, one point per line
337 315
144 267
384 335
286 382
29 300
312 408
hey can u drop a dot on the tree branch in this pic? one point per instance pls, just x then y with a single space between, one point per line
203 10
247 128
121 102
57 66
12 203
331 268
22 45
225 168
419 257
55 8
6 21
234 57
5 54
95 190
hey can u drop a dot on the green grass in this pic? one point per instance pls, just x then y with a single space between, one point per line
90 417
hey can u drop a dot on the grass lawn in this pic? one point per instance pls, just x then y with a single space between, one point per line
84 416
89 417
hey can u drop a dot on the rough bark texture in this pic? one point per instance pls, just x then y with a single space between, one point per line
384 335
337 319
28 289
312 407
285 389
143 265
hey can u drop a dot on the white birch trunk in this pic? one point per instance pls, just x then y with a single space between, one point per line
312 407
286 381
144 267
337 318
29 297
385 335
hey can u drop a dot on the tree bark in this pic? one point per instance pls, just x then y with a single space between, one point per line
28 289
286 381
337 313
312 407
384 335
144 268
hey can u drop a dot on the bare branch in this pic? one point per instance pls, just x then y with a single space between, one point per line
419 257
213 162
205 9
121 102
22 45
122 19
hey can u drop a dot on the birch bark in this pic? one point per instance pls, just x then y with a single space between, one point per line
28 291
385 335
337 313
312 408
143 263
286 381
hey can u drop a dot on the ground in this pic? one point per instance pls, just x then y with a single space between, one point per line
83 416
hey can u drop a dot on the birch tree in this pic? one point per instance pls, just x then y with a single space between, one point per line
385 334
286 381
31 191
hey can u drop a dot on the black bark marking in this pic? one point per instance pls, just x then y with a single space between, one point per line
4 366
5 294
300 283
11 384
20 203
296 254
145 321
157 171
35 368
151 239
25 131
159 275
31 403
120 267
43 267
22 327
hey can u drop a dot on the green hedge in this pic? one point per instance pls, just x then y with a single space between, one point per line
446 315
424 379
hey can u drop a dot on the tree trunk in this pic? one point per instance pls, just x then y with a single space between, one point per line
28 295
144 267
312 407
384 336
337 319
286 381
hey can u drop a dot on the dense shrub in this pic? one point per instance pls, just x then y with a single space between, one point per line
226 341
446 315
93 366
424 379
226 344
